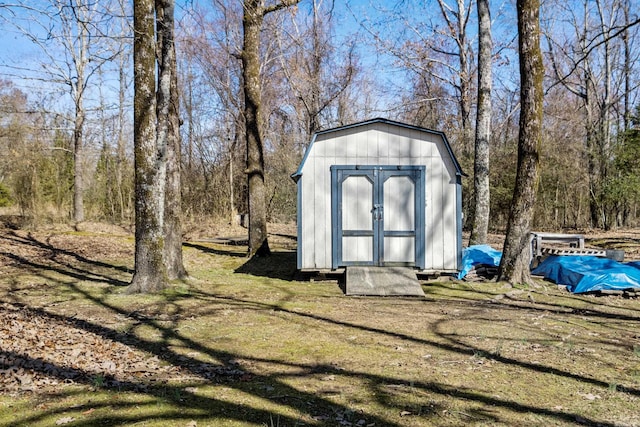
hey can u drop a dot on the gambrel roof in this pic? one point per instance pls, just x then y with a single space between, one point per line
296 176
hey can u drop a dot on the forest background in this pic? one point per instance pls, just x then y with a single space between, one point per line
66 97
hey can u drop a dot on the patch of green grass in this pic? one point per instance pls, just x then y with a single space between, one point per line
242 343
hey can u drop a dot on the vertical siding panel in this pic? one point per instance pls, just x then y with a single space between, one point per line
351 146
361 146
426 150
394 143
319 147
404 144
383 144
425 147
341 145
449 226
429 214
373 152
330 146
449 212
421 159
415 145
308 209
326 217
319 210
438 212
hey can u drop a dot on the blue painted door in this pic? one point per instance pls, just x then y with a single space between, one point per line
377 215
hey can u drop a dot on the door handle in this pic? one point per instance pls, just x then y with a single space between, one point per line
377 212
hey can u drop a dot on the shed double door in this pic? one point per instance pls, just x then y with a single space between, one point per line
378 215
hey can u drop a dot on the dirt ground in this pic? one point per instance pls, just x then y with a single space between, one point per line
463 356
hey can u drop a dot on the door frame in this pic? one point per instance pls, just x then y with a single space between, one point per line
375 174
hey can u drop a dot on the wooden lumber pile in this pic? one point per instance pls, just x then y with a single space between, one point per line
546 251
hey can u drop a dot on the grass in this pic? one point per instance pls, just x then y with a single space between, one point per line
243 344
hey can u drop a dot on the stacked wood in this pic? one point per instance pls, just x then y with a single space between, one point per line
573 251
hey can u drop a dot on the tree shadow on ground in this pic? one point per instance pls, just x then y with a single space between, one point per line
231 251
238 372
279 265
275 387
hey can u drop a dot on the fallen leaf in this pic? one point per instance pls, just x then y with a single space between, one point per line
64 420
88 411
590 396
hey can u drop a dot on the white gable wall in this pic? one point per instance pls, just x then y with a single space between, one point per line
379 144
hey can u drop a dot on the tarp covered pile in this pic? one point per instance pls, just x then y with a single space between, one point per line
580 274
589 273
479 257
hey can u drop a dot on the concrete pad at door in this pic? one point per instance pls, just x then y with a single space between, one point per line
382 281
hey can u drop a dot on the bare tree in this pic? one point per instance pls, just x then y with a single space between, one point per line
253 18
593 62
483 127
68 35
168 117
155 122
457 19
211 45
514 266
316 70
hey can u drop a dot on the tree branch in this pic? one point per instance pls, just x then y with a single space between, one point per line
281 5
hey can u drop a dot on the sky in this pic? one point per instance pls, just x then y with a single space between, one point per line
392 19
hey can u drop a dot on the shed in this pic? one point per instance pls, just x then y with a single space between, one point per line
379 193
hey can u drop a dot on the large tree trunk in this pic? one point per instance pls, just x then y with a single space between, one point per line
173 199
483 128
514 266
252 19
252 23
150 271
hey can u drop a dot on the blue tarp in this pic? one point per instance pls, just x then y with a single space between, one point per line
589 273
478 254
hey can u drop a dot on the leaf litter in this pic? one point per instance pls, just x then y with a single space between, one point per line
41 352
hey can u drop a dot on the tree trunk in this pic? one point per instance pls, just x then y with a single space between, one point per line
252 19
483 128
150 271
627 67
78 155
252 23
458 32
173 199
78 128
514 266
120 151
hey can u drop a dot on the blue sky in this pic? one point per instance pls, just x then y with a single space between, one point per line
392 19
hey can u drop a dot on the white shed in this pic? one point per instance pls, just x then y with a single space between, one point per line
379 193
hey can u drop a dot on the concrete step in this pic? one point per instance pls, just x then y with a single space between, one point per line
382 281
